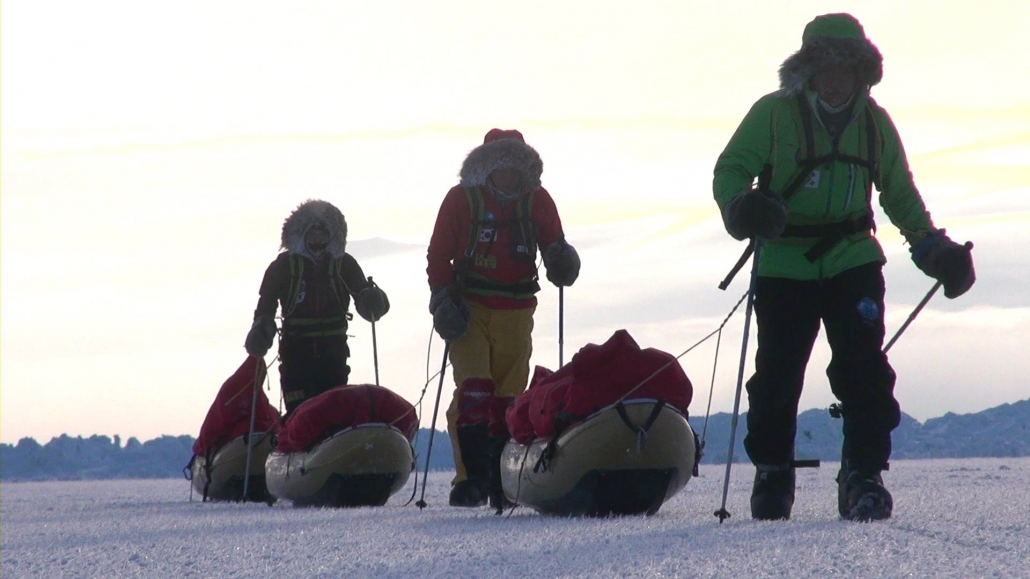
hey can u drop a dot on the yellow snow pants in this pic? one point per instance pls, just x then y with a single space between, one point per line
496 347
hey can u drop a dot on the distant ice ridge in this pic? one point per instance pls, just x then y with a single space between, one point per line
1003 431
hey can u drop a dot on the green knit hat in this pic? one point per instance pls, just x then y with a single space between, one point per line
833 26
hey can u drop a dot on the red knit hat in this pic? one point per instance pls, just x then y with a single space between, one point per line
498 134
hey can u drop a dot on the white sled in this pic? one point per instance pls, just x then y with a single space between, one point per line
605 465
359 466
221 478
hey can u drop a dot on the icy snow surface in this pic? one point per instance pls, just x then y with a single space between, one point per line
953 518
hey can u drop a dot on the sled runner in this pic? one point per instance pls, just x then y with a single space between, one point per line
347 447
627 459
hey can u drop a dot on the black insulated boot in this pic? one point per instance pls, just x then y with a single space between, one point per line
468 493
861 496
474 444
498 501
772 496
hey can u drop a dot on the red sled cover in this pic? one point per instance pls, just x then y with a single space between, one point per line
343 407
229 415
597 376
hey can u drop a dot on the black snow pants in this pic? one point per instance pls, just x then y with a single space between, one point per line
850 306
310 366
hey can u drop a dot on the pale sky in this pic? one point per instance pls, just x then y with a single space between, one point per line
150 152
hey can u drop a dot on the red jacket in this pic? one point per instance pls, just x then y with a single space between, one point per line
451 240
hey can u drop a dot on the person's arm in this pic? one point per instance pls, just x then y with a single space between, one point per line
450 235
748 211
262 330
352 275
933 252
748 150
899 197
548 222
273 287
370 300
561 259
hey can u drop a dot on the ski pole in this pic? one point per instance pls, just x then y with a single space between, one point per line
258 363
722 513
421 504
919 308
912 316
764 178
375 348
561 326
375 352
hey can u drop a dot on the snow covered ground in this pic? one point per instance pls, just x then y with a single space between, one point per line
953 518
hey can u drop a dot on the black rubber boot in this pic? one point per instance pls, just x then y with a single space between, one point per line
498 501
861 495
772 496
474 444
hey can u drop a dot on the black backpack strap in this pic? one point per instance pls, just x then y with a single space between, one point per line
476 211
187 471
643 429
562 421
526 230
828 234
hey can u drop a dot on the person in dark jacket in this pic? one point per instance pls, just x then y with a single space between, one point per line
823 144
313 279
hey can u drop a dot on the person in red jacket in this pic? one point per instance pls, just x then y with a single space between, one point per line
483 280
313 279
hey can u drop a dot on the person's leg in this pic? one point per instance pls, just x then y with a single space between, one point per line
469 413
295 372
788 324
511 333
862 379
511 337
330 367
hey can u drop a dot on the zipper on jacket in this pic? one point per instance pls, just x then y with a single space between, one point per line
851 186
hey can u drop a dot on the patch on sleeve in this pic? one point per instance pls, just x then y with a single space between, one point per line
868 309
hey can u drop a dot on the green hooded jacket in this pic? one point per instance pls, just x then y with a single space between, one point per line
839 189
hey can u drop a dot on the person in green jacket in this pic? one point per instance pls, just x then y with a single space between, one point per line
818 146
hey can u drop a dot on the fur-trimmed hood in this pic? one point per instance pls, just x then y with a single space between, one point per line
502 149
832 39
308 214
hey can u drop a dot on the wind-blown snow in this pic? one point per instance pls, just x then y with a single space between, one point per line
953 518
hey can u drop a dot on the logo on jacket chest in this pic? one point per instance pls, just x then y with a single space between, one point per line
813 180
486 261
487 231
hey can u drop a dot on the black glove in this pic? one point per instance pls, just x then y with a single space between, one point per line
946 261
755 213
372 304
437 296
451 314
260 337
562 263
